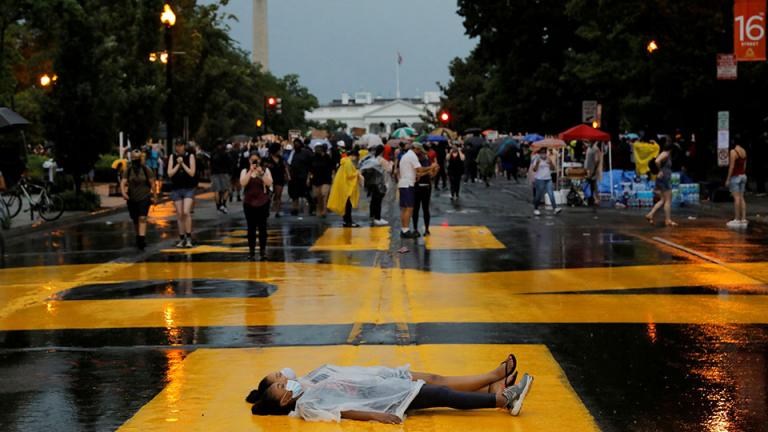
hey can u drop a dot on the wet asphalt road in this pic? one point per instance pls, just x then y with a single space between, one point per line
696 375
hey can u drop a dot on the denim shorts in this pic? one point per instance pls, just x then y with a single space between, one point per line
663 184
182 194
738 184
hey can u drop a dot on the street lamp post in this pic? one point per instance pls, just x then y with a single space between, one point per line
168 18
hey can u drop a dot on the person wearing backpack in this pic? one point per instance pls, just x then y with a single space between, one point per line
136 188
375 169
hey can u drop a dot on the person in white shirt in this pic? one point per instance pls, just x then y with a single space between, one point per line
410 169
542 165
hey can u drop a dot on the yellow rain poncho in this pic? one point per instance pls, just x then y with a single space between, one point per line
346 185
644 152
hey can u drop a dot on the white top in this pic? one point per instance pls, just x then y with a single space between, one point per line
330 389
544 172
408 164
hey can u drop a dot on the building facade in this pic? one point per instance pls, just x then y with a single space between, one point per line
377 115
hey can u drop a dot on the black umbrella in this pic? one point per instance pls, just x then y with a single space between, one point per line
473 131
9 119
342 136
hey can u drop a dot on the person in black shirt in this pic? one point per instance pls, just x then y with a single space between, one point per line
298 186
220 176
321 172
182 171
280 175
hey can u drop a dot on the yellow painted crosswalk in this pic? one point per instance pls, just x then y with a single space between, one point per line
206 391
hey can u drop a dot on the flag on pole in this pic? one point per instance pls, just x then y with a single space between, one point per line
399 58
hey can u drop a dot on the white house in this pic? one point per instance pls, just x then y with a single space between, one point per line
376 115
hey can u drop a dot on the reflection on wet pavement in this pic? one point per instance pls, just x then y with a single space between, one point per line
651 335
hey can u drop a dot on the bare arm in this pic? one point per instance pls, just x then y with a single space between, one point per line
192 165
659 160
267 178
245 177
371 416
731 165
172 166
124 188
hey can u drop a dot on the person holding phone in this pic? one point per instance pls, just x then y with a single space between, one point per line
182 171
255 181
542 165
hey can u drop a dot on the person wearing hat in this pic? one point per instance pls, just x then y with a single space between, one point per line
345 191
136 187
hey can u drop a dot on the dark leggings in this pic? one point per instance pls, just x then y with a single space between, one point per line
455 185
376 199
257 219
432 396
423 195
348 213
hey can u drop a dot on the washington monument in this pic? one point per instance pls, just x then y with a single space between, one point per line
260 34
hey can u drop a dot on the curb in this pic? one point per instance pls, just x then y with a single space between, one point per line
14 233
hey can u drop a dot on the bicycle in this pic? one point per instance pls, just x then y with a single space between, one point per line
49 206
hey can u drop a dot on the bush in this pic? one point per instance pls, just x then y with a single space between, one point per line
86 200
103 171
35 170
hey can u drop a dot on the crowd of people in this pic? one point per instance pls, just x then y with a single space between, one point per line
322 176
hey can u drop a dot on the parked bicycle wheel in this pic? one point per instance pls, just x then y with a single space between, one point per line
12 201
51 207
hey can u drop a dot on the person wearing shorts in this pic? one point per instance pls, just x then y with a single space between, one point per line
136 188
182 170
737 184
409 169
321 177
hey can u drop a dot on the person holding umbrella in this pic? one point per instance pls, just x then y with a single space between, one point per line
542 165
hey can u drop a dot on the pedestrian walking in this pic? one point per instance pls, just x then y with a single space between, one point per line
256 180
441 149
236 163
280 175
409 170
321 177
375 170
486 163
737 183
220 176
455 167
542 165
345 191
298 186
136 188
182 171
423 192
593 164
663 166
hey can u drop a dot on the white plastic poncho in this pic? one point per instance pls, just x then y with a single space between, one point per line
330 389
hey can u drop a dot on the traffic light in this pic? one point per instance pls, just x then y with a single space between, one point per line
279 106
445 117
271 102
274 104
259 123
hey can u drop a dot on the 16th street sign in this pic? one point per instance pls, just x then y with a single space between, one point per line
749 30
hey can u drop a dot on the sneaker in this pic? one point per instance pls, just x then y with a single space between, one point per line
181 243
380 222
407 234
743 222
427 233
558 210
516 394
734 224
537 213
188 243
351 225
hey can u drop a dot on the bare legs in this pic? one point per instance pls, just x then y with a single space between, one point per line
184 215
739 206
666 202
469 383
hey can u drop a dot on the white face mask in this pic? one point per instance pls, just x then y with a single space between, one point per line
294 387
288 373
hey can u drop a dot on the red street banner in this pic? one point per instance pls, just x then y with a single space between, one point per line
749 30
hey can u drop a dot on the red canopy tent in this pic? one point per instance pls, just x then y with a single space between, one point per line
588 133
584 132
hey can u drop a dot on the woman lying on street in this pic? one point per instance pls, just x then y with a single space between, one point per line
332 393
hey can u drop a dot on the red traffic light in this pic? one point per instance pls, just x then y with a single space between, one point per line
271 101
445 117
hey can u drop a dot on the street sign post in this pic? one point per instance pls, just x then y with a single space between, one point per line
588 111
723 137
727 68
749 30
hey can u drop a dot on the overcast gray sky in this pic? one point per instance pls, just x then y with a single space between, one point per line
352 45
